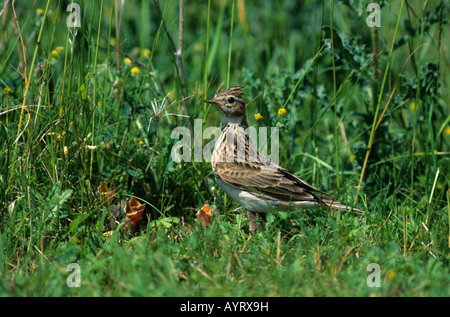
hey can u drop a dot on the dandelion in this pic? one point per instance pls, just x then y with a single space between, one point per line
55 53
7 91
146 53
141 142
447 131
127 61
258 116
281 111
135 70
412 106
352 158
39 11
60 48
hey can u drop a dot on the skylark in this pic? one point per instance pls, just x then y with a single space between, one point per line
249 177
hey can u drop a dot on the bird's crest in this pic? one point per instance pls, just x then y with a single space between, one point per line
234 91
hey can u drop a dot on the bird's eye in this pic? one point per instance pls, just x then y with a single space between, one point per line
230 100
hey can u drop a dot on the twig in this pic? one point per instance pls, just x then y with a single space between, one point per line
118 23
181 28
4 7
178 54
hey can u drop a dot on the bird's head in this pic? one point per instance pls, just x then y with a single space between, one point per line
230 104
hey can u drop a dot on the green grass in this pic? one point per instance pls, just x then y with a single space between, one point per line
365 106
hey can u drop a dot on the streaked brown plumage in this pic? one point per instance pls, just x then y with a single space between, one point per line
249 177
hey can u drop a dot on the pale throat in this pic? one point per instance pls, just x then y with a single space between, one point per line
233 121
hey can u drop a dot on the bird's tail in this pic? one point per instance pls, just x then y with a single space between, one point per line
335 204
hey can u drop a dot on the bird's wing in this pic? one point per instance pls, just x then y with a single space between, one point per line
268 179
275 182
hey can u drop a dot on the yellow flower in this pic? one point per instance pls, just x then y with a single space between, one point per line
447 131
60 48
281 111
134 71
146 52
39 11
258 116
127 61
7 90
55 53
352 158
412 106
141 142
390 275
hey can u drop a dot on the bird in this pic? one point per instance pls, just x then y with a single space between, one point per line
249 177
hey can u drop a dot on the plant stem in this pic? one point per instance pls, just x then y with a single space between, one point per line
178 55
336 125
229 48
372 132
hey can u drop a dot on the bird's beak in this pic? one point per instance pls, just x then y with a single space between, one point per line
212 101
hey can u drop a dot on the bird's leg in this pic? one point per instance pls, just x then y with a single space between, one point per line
252 216
263 217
